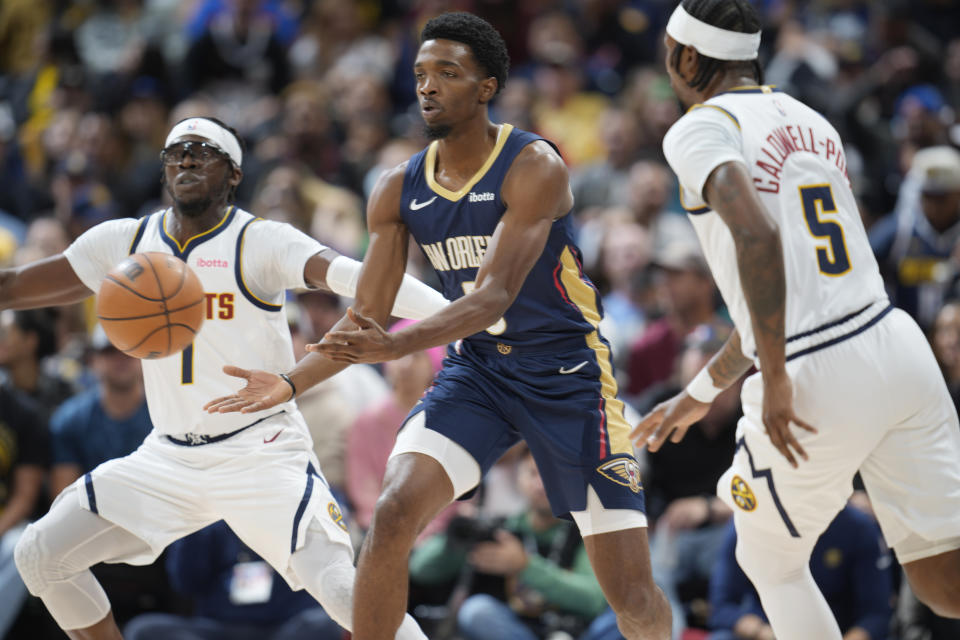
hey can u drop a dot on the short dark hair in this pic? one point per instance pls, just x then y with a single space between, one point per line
487 45
42 323
732 15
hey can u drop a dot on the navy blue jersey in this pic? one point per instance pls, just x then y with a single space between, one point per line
453 228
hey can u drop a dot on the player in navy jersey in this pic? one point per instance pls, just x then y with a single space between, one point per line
488 206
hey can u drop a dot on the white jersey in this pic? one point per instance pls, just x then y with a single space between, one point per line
244 325
799 169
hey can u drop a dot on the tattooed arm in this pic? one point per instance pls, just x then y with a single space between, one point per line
728 364
729 191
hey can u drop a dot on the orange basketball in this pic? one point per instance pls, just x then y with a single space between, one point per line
151 305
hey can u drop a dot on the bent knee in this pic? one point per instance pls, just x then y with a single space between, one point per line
34 567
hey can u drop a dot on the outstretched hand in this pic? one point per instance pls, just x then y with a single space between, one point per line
673 416
263 390
369 342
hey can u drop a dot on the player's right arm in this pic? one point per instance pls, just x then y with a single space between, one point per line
73 275
380 277
45 283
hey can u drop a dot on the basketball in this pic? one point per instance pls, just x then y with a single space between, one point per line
151 305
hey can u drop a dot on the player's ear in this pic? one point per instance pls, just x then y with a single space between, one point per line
236 176
488 89
689 61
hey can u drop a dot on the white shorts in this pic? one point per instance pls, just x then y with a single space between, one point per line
881 407
264 482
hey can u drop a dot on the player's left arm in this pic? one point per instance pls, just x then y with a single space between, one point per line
730 192
536 192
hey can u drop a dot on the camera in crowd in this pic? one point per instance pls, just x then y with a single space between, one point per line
465 532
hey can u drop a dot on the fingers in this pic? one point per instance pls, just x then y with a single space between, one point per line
778 430
226 404
804 425
214 404
646 426
236 372
335 352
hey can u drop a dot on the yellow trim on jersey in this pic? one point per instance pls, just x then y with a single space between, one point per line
243 283
163 225
431 165
766 88
585 298
720 109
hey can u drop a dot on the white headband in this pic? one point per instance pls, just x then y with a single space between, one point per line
209 130
710 40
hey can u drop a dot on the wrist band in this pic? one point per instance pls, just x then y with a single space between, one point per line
701 388
293 387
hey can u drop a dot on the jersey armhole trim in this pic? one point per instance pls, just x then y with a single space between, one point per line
138 235
249 295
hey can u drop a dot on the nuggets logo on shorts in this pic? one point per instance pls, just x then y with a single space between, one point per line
742 494
623 471
334 512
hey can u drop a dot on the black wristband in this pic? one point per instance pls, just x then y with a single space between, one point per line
293 387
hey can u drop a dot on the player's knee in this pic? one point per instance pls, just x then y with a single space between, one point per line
766 570
33 566
399 512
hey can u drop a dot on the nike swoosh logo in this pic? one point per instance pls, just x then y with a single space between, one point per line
416 206
564 371
265 441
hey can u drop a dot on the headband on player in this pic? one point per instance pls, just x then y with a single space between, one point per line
712 41
209 130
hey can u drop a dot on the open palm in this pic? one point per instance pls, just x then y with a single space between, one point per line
262 391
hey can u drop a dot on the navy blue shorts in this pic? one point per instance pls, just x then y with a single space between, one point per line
562 403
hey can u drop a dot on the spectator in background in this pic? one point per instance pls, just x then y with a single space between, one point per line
27 339
107 422
689 300
240 52
564 111
604 183
372 435
24 456
946 346
236 595
526 578
624 255
916 249
851 566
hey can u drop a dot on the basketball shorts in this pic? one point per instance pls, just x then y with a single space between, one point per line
563 403
264 482
881 406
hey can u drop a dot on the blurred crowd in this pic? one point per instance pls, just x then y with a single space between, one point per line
322 94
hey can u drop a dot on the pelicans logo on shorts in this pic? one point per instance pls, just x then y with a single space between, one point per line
742 494
623 471
333 510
